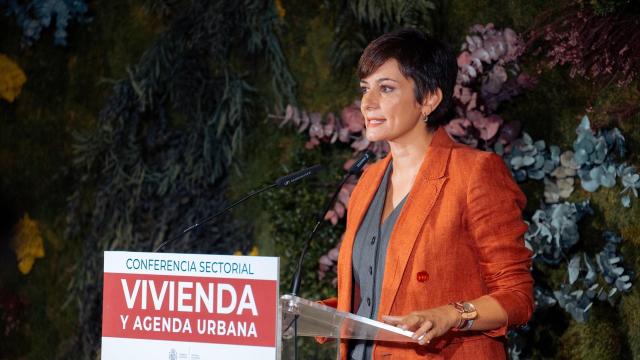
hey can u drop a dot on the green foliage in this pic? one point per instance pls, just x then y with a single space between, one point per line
65 91
599 339
36 15
381 13
607 7
307 35
628 313
359 22
158 159
67 88
456 17
293 212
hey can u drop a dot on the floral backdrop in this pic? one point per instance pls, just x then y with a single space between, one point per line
122 122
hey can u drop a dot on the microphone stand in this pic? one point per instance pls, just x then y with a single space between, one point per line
281 182
295 284
211 217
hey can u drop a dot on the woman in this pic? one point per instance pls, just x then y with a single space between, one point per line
434 238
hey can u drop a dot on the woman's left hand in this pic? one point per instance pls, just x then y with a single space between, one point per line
427 324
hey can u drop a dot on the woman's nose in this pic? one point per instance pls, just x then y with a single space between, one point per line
369 101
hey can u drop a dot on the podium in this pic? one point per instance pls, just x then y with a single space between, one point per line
314 319
216 307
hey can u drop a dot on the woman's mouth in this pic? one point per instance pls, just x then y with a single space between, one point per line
376 122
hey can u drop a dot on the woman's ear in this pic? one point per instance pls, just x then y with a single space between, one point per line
431 101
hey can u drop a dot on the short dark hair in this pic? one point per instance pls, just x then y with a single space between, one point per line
429 62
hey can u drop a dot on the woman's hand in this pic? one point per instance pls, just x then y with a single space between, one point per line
427 324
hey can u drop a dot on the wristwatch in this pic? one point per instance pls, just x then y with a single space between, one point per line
468 314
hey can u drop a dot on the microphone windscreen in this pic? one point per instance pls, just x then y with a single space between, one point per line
356 168
298 175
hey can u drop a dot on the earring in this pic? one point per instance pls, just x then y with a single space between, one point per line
426 119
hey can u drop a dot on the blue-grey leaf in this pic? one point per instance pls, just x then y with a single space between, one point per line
528 160
549 166
584 124
536 174
574 269
590 185
581 156
554 151
520 175
600 152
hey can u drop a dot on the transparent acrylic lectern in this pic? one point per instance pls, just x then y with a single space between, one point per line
315 319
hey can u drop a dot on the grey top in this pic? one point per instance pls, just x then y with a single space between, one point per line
369 253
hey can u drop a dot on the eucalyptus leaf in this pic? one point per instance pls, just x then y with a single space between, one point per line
574 268
626 201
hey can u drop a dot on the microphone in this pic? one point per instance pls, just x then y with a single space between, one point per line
355 169
281 182
298 175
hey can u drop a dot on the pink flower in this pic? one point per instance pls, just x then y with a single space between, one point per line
348 164
316 129
324 260
313 142
330 127
333 254
345 193
361 143
483 55
339 208
493 83
458 127
380 148
352 118
344 135
331 216
526 81
488 126
510 131
304 121
464 59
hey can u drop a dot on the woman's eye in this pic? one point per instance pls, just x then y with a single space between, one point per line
363 89
386 89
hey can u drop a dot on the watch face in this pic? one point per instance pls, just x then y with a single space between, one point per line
470 312
469 316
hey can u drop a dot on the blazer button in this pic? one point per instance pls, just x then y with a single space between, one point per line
422 276
373 240
370 270
369 301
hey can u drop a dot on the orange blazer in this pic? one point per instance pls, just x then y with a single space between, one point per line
461 229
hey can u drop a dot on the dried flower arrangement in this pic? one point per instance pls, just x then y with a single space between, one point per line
595 41
489 75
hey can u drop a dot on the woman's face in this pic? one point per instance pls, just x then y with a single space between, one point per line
389 104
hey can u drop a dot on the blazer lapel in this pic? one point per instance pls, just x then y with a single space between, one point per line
356 213
423 195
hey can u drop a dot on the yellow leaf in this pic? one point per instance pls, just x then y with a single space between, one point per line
254 251
280 9
27 243
11 79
